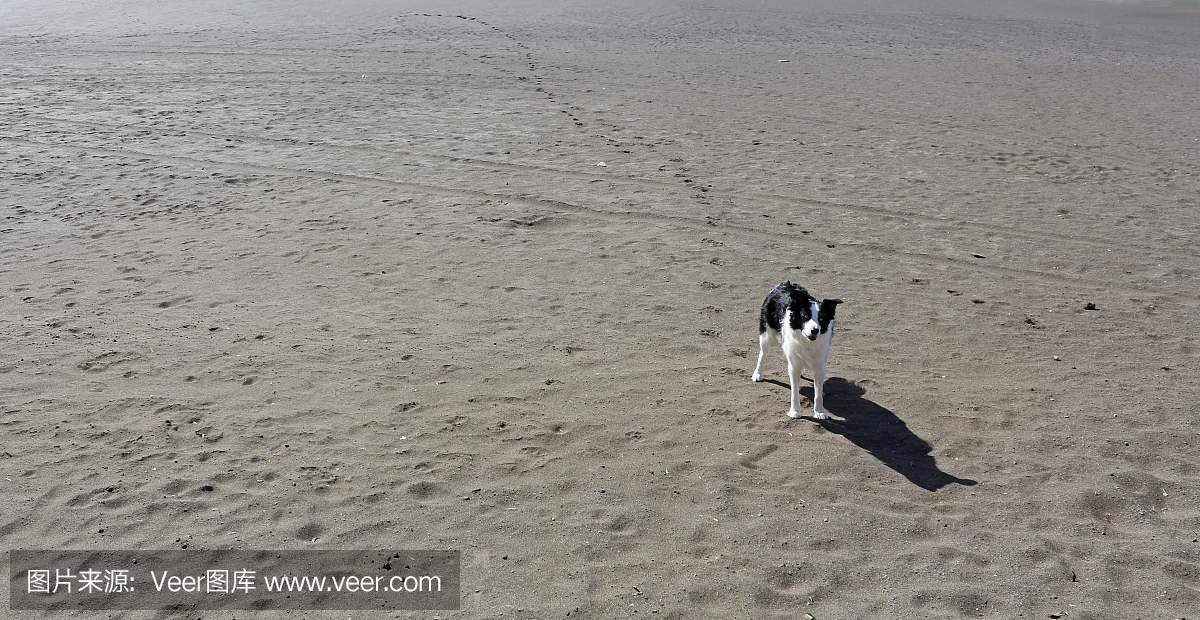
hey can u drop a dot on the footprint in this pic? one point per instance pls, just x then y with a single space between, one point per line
751 460
424 489
310 531
174 302
104 361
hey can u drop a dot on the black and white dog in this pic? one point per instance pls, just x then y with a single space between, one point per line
804 326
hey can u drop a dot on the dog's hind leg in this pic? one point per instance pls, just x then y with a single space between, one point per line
766 339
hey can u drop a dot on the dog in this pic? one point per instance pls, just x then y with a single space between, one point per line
804 326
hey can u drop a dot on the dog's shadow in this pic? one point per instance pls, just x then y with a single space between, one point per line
881 433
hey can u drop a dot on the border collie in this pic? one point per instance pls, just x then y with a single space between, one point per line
804 326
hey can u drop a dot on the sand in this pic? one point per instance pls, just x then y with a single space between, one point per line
484 276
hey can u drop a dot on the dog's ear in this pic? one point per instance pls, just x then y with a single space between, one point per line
828 306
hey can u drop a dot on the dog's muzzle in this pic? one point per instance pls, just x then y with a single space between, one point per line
811 335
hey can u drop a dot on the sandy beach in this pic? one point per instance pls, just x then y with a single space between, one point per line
485 276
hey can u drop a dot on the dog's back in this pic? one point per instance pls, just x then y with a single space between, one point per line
786 296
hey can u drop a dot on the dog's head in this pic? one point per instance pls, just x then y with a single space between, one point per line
817 317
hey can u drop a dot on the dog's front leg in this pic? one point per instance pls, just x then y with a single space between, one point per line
819 393
794 376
